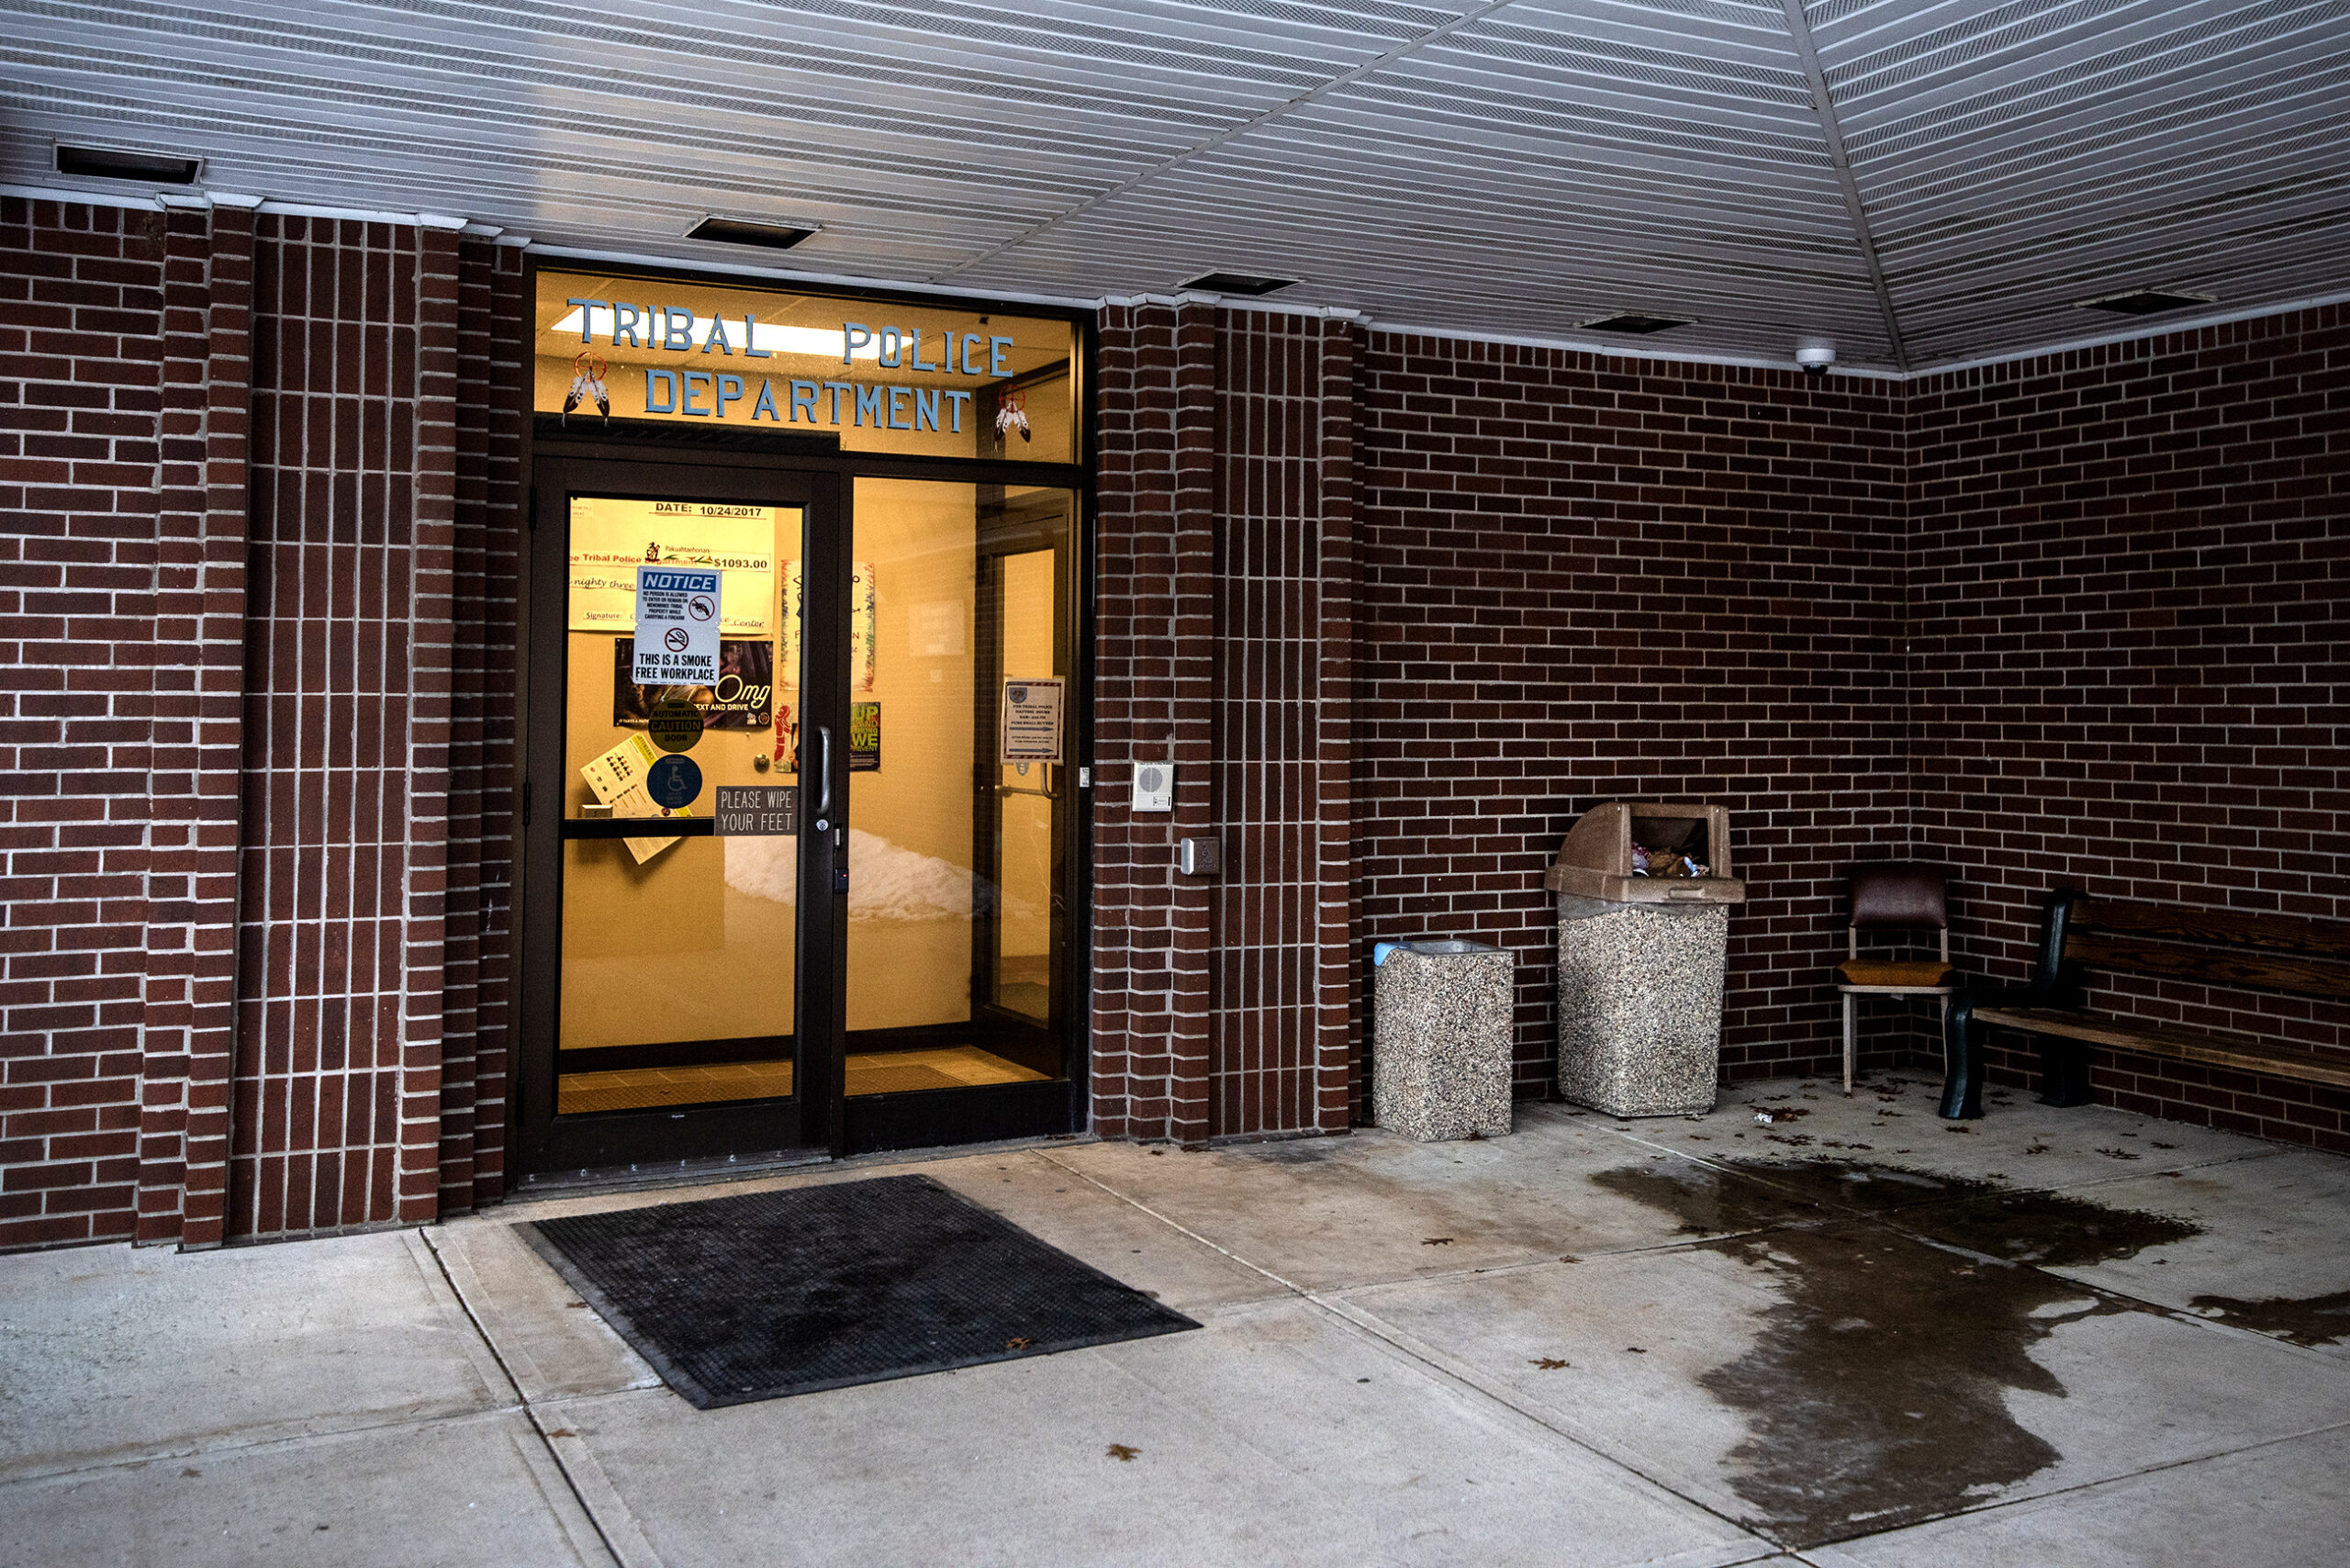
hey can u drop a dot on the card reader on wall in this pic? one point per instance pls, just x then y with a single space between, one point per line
1202 857
1153 786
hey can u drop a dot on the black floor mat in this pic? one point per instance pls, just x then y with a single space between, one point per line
771 1294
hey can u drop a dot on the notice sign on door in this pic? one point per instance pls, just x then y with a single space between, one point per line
1032 720
676 627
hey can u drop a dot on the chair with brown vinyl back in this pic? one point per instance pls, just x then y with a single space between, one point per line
1894 895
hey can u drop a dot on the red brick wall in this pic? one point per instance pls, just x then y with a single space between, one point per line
346 652
197 718
260 480
81 356
1283 582
1587 580
2127 620
379 728
1462 593
492 355
1400 609
1154 673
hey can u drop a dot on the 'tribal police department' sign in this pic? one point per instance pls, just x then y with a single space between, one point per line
676 627
911 376
708 393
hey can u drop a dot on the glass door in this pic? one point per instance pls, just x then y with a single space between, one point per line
959 845
820 899
673 907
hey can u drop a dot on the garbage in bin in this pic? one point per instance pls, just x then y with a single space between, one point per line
1440 1061
1644 894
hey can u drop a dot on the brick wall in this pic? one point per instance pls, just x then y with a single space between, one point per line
1280 1056
2127 618
1463 592
1154 699
260 479
1587 580
1399 609
81 374
197 734
346 721
380 649
492 357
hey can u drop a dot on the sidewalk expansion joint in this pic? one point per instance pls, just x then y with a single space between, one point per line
1446 1368
641 1554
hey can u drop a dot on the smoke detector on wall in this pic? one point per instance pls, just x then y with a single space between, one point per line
1815 354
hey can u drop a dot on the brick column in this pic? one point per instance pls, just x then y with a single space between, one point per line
1154 689
492 318
498 607
431 636
461 951
1340 969
1115 598
203 426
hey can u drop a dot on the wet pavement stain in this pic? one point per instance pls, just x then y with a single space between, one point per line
2049 1229
1708 1206
1876 1394
1841 1184
2303 1320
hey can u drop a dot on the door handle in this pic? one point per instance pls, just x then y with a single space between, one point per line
824 770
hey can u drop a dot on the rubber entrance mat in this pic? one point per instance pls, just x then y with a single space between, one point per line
772 1293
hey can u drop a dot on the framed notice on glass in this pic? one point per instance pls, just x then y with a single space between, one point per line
1032 720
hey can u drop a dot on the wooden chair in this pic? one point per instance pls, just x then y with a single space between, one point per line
1894 895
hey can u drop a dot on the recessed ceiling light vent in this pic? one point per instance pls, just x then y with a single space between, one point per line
124 163
749 231
1634 321
1237 283
2146 301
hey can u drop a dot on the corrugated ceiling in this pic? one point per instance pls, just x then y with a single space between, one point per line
1514 168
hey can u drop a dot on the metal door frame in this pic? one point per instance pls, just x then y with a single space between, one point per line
808 1122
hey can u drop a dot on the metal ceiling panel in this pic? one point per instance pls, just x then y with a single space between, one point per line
1513 167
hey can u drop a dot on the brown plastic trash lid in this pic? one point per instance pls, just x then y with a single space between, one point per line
1595 860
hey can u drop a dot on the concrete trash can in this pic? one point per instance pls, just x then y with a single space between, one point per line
1644 894
1440 1050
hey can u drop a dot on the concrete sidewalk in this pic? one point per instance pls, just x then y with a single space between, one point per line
1851 1335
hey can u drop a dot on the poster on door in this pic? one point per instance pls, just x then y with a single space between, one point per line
741 699
611 538
864 737
864 645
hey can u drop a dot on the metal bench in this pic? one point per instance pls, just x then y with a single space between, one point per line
2211 947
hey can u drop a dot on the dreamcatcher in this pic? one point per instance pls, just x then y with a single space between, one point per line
1011 414
588 381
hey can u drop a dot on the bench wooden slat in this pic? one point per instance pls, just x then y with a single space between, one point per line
2310 977
2219 927
2244 1055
